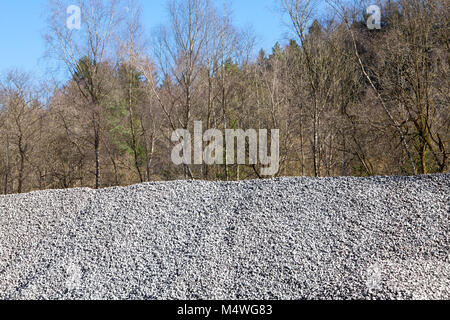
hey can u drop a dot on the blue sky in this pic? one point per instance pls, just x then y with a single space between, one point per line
22 24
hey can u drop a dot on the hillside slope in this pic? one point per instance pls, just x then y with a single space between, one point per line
290 238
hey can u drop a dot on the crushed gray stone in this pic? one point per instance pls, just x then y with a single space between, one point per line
288 238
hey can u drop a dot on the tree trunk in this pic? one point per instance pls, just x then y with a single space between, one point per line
97 160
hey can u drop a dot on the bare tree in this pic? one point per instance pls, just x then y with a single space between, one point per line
181 51
20 120
83 53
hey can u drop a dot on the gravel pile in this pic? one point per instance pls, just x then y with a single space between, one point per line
333 238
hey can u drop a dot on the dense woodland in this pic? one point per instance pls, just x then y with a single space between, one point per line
347 100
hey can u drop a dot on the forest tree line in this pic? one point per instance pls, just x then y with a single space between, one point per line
348 101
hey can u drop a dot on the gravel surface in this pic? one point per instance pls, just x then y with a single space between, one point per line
333 238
